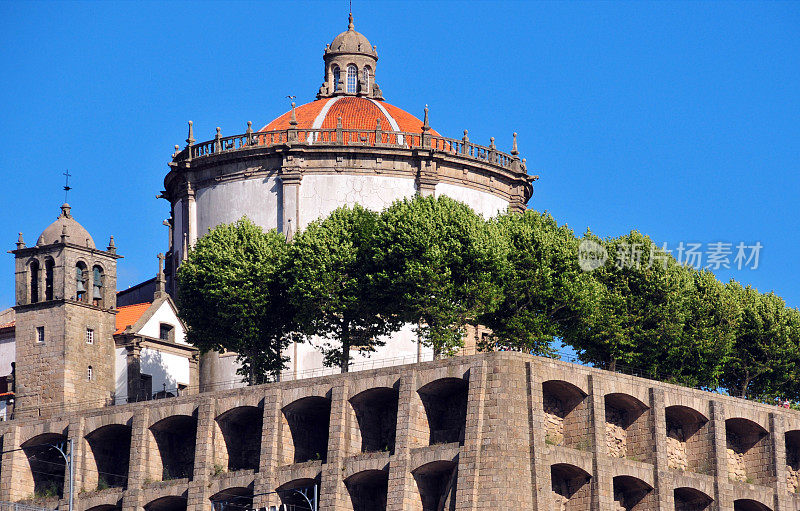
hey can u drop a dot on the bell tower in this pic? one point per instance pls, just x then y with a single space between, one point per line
65 310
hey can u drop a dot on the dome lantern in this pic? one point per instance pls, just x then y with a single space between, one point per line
350 62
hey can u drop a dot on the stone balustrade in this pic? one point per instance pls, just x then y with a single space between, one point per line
348 137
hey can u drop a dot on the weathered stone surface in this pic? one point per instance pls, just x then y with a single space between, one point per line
502 460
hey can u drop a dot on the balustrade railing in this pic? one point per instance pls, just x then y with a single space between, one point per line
351 137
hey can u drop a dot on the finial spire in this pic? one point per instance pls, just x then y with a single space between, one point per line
112 247
293 122
65 209
425 125
514 147
20 242
351 25
161 282
190 138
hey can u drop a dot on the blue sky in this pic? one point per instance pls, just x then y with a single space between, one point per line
679 119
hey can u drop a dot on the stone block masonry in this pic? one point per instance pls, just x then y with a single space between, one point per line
487 431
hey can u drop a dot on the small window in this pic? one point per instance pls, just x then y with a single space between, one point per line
90 374
34 281
166 332
336 77
352 74
89 336
40 334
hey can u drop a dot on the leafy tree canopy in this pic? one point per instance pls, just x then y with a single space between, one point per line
231 299
329 284
765 357
544 291
436 260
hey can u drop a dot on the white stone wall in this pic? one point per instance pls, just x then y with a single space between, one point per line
486 204
164 314
321 194
164 368
256 198
121 374
8 353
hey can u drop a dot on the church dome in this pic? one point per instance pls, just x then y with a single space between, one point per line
65 224
351 41
357 113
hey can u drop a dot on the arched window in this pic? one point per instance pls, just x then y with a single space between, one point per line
352 74
49 266
366 79
80 282
97 286
34 281
336 78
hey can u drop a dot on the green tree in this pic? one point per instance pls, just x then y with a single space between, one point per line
544 290
231 298
435 259
698 357
329 285
640 310
765 356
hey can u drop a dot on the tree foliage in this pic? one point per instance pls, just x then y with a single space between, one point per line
329 284
543 290
231 298
765 354
435 260
352 278
640 308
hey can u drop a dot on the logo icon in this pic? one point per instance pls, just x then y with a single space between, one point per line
591 255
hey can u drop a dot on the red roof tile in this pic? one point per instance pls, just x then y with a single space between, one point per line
356 113
129 314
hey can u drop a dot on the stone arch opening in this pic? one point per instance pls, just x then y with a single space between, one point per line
376 413
105 507
49 268
792 441
688 440
368 490
749 505
566 415
233 499
308 420
445 403
691 499
33 268
170 503
627 432
290 493
240 429
748 449
47 466
110 446
436 482
632 494
175 438
571 488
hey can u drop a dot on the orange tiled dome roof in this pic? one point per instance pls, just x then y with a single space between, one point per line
356 113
